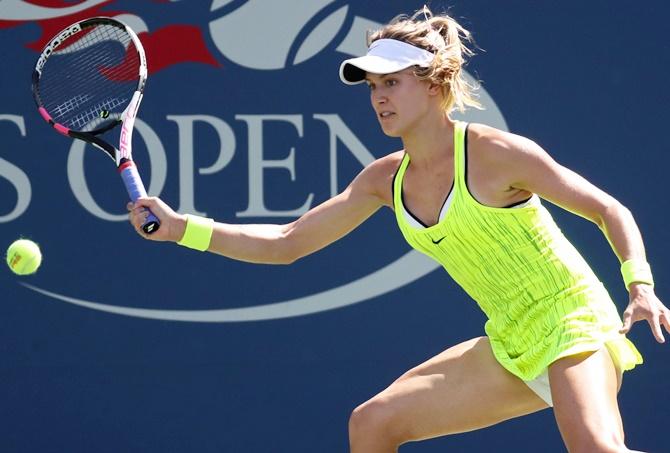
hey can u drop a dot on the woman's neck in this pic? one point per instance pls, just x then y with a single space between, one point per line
430 141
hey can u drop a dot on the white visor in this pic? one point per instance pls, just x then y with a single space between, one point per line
385 56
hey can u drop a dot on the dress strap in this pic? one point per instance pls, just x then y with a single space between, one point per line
460 159
397 184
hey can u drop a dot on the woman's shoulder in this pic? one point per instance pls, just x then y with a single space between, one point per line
492 143
378 175
385 165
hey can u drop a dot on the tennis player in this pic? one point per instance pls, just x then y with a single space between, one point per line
469 196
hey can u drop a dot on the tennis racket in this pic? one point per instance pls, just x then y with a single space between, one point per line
89 79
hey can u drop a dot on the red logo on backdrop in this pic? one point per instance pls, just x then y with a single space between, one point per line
167 45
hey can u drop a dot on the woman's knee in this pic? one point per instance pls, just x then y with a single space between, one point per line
599 443
379 418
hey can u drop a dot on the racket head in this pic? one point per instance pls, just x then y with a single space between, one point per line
87 76
90 78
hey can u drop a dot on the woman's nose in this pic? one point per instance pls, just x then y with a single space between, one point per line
379 97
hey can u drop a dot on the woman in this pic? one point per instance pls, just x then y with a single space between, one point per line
469 196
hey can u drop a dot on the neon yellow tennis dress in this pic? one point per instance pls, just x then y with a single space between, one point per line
541 298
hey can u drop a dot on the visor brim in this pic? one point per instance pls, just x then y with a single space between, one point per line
354 70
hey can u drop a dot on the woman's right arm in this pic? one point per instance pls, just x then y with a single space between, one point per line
282 244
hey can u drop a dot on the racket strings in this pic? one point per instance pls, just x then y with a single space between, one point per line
89 81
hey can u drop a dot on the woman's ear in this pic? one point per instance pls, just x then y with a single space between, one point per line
434 89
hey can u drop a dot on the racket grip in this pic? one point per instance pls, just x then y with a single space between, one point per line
135 187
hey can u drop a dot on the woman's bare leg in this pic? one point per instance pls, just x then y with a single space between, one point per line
584 391
462 389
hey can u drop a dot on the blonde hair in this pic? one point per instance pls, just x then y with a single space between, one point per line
448 40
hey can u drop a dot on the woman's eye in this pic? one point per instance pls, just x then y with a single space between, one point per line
391 82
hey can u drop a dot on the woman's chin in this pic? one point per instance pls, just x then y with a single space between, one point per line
390 131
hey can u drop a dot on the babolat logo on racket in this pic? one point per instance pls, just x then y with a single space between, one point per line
76 28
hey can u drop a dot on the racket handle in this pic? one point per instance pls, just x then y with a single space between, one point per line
133 182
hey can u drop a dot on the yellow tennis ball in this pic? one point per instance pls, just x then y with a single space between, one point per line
24 257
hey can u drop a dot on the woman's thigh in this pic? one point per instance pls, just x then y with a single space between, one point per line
462 389
584 390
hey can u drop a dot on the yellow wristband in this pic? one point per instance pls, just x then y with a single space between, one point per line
198 232
636 271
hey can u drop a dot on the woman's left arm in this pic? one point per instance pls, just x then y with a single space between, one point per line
533 170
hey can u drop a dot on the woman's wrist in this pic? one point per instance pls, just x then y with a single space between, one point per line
637 288
179 228
197 232
636 271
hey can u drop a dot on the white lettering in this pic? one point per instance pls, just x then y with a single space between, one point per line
16 176
337 129
227 142
257 164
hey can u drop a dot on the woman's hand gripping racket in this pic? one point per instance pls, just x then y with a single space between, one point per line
89 79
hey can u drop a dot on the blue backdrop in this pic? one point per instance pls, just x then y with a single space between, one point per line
119 344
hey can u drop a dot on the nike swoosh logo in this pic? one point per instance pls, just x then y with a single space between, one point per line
438 241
